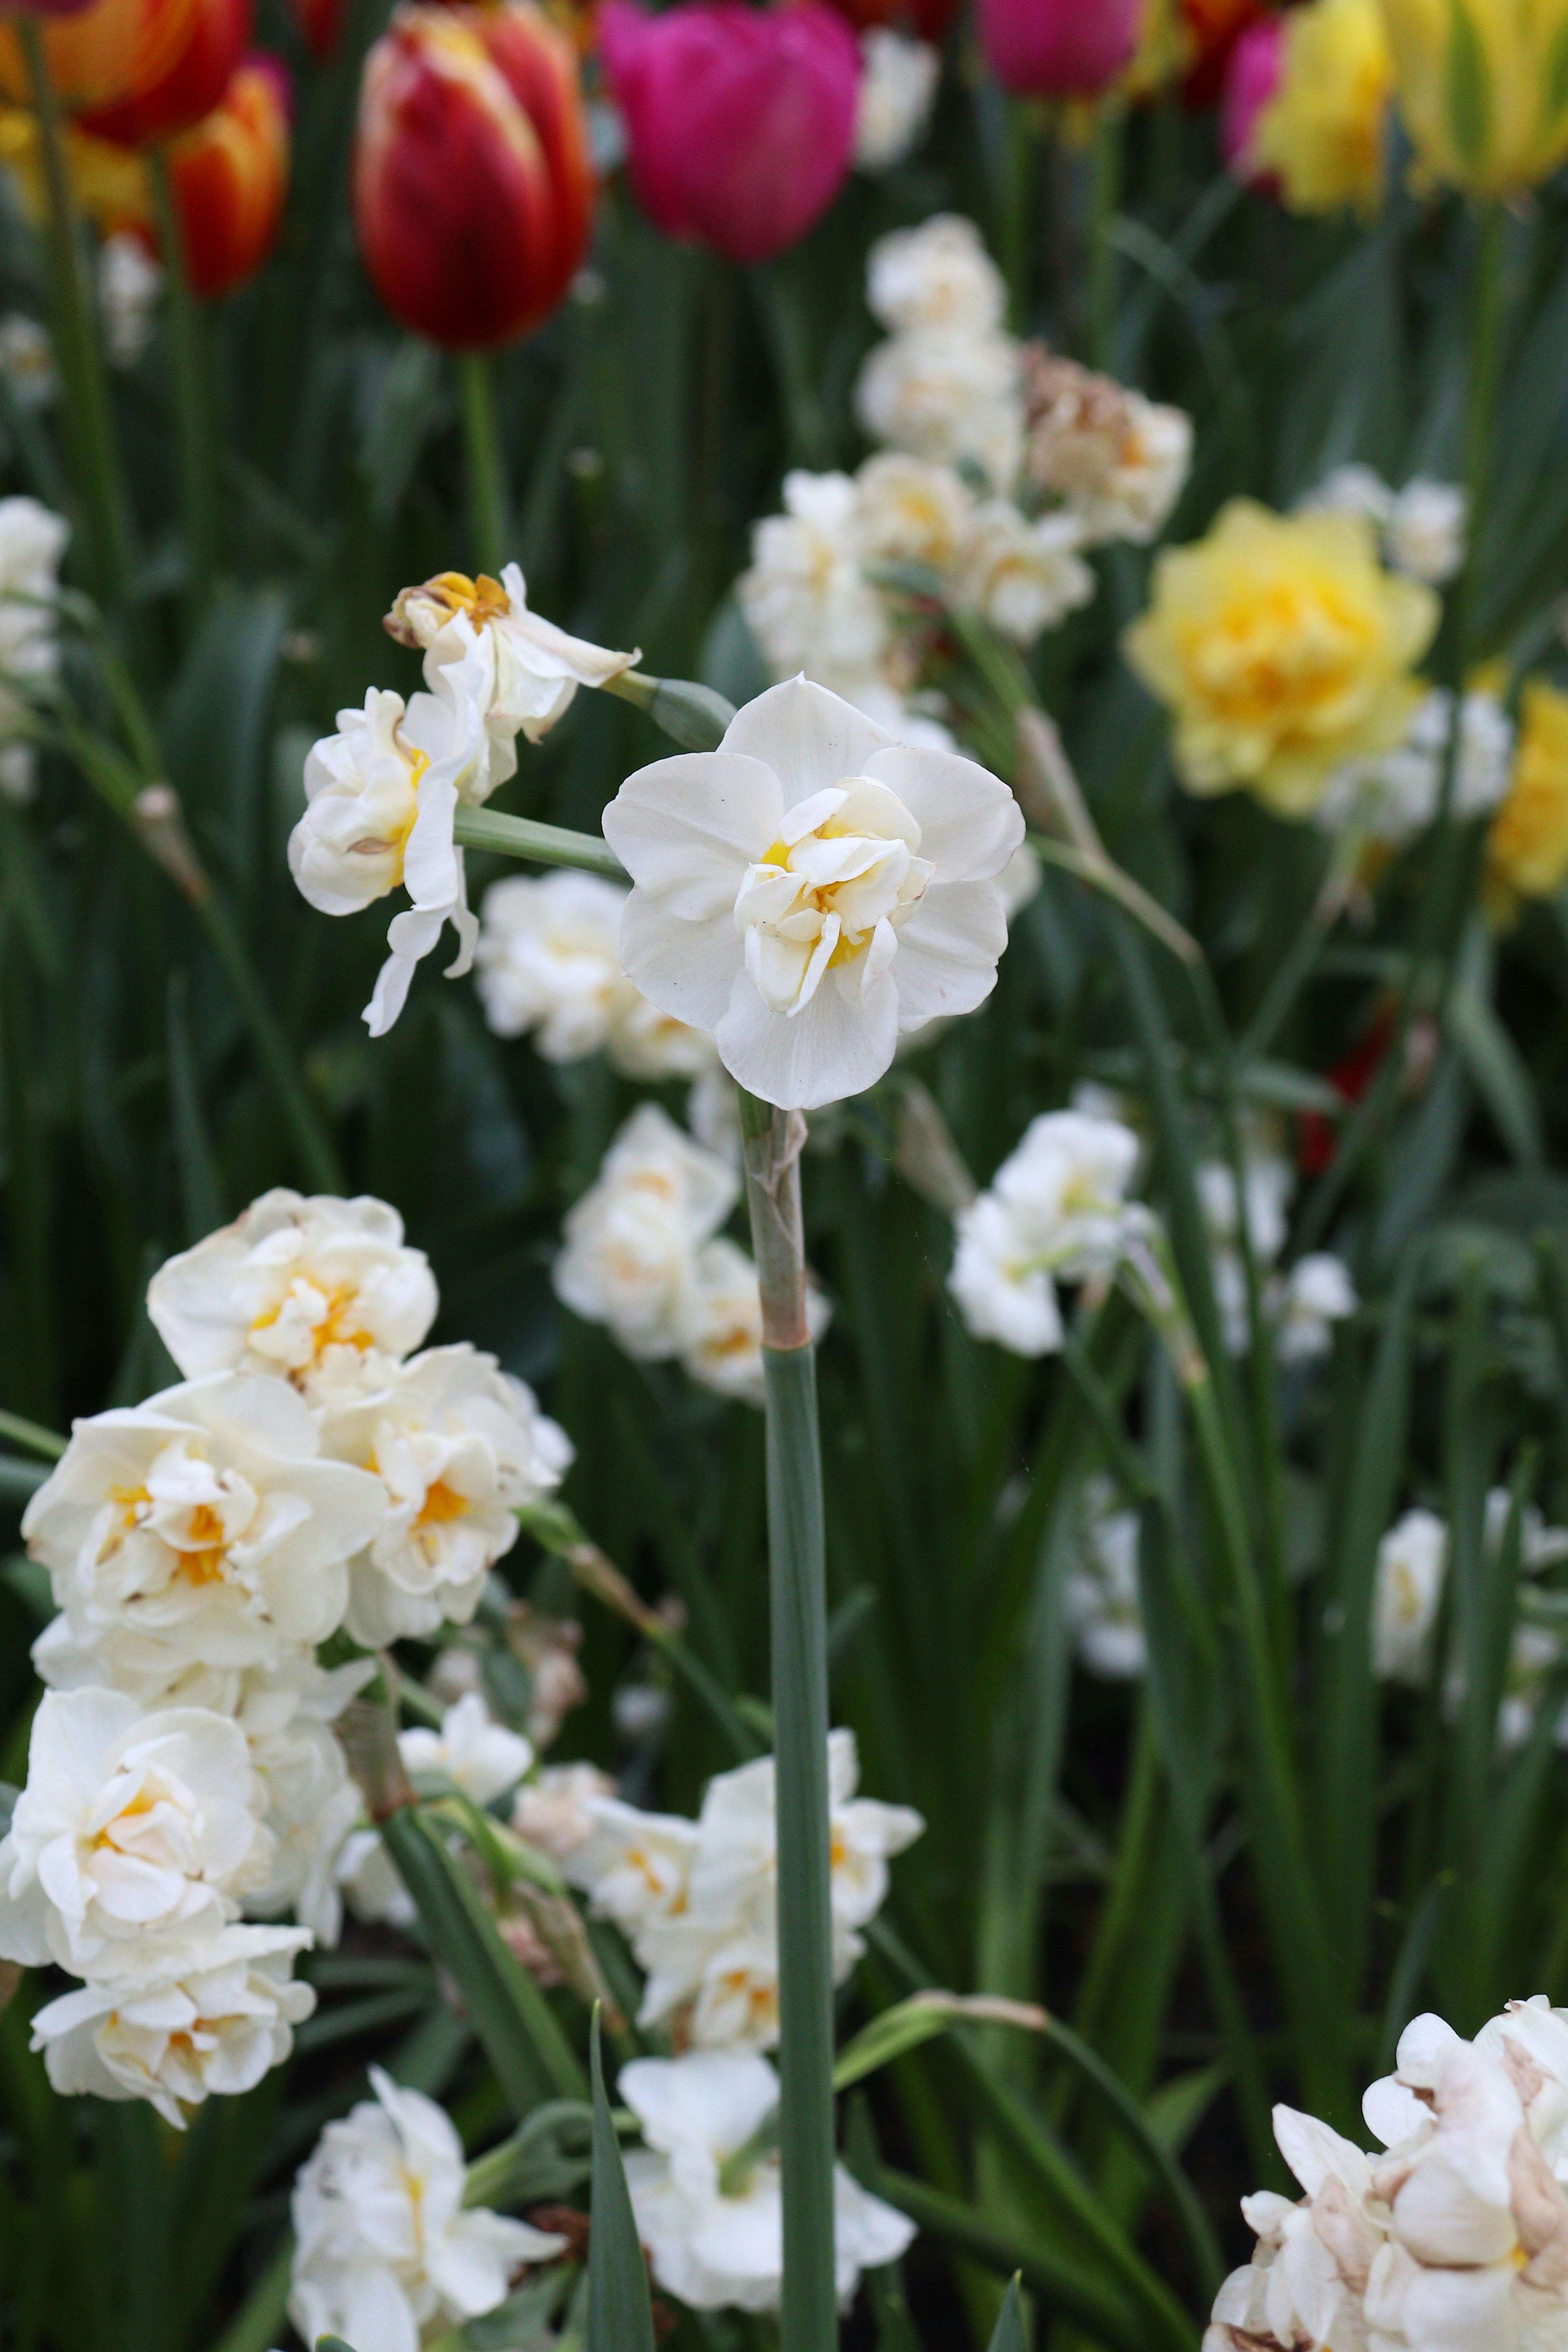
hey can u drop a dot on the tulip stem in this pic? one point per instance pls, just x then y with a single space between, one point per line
187 358
1105 191
88 417
487 469
808 2320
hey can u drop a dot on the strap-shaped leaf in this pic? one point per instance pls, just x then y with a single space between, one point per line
620 2312
1007 2336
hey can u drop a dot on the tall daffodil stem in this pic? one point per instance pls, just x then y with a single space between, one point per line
487 470
1105 198
808 2318
88 417
193 407
1486 339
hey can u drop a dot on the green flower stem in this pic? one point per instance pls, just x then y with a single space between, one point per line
809 2315
193 408
488 514
28 1433
1020 207
544 844
260 2319
1105 196
88 417
1486 342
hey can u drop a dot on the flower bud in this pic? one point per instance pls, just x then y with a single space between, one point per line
1059 49
1252 78
473 189
194 83
103 54
231 175
742 121
1480 88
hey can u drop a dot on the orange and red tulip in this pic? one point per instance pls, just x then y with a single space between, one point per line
106 54
472 183
194 85
230 178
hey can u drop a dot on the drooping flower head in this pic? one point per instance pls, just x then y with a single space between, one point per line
812 889
526 670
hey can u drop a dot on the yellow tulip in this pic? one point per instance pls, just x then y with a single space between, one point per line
1482 87
1282 647
1527 848
1322 135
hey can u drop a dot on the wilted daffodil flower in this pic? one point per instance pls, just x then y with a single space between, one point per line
528 669
812 889
1480 88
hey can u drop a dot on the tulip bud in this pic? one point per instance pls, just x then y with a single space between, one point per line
472 185
230 178
742 121
1059 48
1480 88
103 54
194 85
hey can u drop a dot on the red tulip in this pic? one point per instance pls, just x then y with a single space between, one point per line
193 84
230 177
473 189
321 22
1212 29
1059 48
104 54
1251 82
741 121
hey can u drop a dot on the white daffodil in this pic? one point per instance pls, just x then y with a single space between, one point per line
384 2245
27 361
1307 2281
551 1809
713 1953
382 797
286 1713
1056 1210
1023 576
480 1755
130 283
722 1322
1020 879
1268 1183
202 1528
1316 1294
1398 793
32 541
206 2020
1412 1562
133 1831
716 2243
1422 527
1117 460
528 670
324 1292
936 276
897 90
549 965
909 510
807 599
810 889
632 1241
634 1867
1101 1591
950 395
457 1445
368 1880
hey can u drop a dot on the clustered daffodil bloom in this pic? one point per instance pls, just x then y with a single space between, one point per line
1322 133
1482 90
1282 648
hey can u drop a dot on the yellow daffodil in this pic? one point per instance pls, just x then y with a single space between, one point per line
1281 648
1527 848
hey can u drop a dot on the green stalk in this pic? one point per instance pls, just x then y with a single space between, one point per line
809 2314
487 467
88 417
261 2316
544 845
188 362
1105 196
1020 199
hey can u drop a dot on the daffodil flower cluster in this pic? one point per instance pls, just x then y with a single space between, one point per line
1452 2237
1303 1303
1001 466
381 794
32 543
311 1475
1407 1600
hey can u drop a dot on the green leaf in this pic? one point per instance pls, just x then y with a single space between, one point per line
1009 2333
620 2310
531 2056
1469 87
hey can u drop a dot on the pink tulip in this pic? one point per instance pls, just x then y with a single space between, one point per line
1251 78
1059 48
741 121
